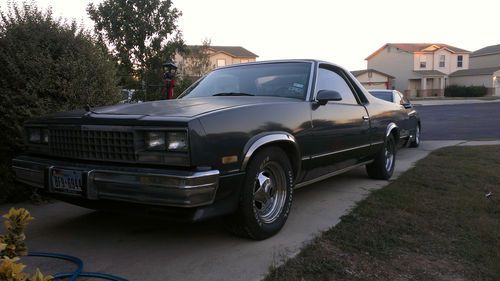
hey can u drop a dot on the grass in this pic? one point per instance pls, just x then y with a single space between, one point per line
433 223
456 98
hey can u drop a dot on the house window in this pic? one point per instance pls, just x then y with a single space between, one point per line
221 62
423 62
460 61
442 60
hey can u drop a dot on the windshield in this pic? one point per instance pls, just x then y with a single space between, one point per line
288 80
383 95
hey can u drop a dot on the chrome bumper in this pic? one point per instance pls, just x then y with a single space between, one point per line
176 188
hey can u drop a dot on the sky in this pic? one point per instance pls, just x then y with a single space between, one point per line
342 32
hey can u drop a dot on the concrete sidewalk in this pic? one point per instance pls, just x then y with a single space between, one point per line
146 249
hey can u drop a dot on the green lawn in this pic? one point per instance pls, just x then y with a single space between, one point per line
433 223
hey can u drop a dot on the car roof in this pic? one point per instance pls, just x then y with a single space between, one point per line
380 90
279 61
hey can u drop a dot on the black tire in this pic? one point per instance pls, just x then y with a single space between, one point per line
416 141
383 165
266 197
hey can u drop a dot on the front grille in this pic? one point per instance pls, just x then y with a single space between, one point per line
92 144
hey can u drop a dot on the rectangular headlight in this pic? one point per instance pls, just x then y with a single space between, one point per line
45 136
177 141
155 140
166 141
34 135
38 135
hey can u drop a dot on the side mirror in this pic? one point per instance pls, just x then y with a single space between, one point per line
324 96
407 105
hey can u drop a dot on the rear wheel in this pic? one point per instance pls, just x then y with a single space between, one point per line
383 165
416 140
266 197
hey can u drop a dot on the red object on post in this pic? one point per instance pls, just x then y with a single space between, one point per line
171 85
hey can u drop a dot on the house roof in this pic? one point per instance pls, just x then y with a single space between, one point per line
235 51
475 71
490 50
418 47
429 73
359 72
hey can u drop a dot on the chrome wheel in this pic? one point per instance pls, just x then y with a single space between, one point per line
417 135
389 155
269 192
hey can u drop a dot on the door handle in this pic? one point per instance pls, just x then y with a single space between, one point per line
366 118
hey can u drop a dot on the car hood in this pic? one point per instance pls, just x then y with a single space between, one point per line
183 108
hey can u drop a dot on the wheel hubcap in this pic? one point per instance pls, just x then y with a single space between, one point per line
389 156
417 135
269 192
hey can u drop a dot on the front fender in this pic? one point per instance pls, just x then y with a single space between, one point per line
282 138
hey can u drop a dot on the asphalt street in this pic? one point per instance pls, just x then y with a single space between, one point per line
461 122
148 249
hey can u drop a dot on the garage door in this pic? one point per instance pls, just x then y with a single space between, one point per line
372 86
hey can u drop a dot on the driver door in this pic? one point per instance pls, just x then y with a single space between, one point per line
341 129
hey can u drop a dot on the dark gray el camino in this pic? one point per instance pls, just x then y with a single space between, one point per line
236 143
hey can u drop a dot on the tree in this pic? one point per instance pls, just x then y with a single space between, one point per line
142 34
194 63
47 65
196 60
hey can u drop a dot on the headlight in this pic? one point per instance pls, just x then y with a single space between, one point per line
169 141
34 135
155 140
45 136
38 135
177 141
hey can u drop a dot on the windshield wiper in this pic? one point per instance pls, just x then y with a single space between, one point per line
232 94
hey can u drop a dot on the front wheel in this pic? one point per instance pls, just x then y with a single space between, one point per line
383 165
266 197
416 140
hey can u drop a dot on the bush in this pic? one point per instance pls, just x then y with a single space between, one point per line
13 245
465 91
48 65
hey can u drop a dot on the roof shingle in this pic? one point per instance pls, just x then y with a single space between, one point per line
359 72
475 71
417 47
490 50
429 73
235 51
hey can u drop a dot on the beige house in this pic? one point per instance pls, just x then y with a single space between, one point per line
420 69
218 56
486 57
373 79
484 70
226 55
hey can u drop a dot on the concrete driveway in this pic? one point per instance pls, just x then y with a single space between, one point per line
150 249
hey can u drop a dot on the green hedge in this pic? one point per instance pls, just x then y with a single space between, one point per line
465 91
47 65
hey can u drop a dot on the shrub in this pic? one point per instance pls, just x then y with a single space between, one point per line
48 65
13 245
465 91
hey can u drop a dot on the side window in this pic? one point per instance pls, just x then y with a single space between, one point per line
329 80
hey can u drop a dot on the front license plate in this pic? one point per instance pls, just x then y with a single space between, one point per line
66 181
